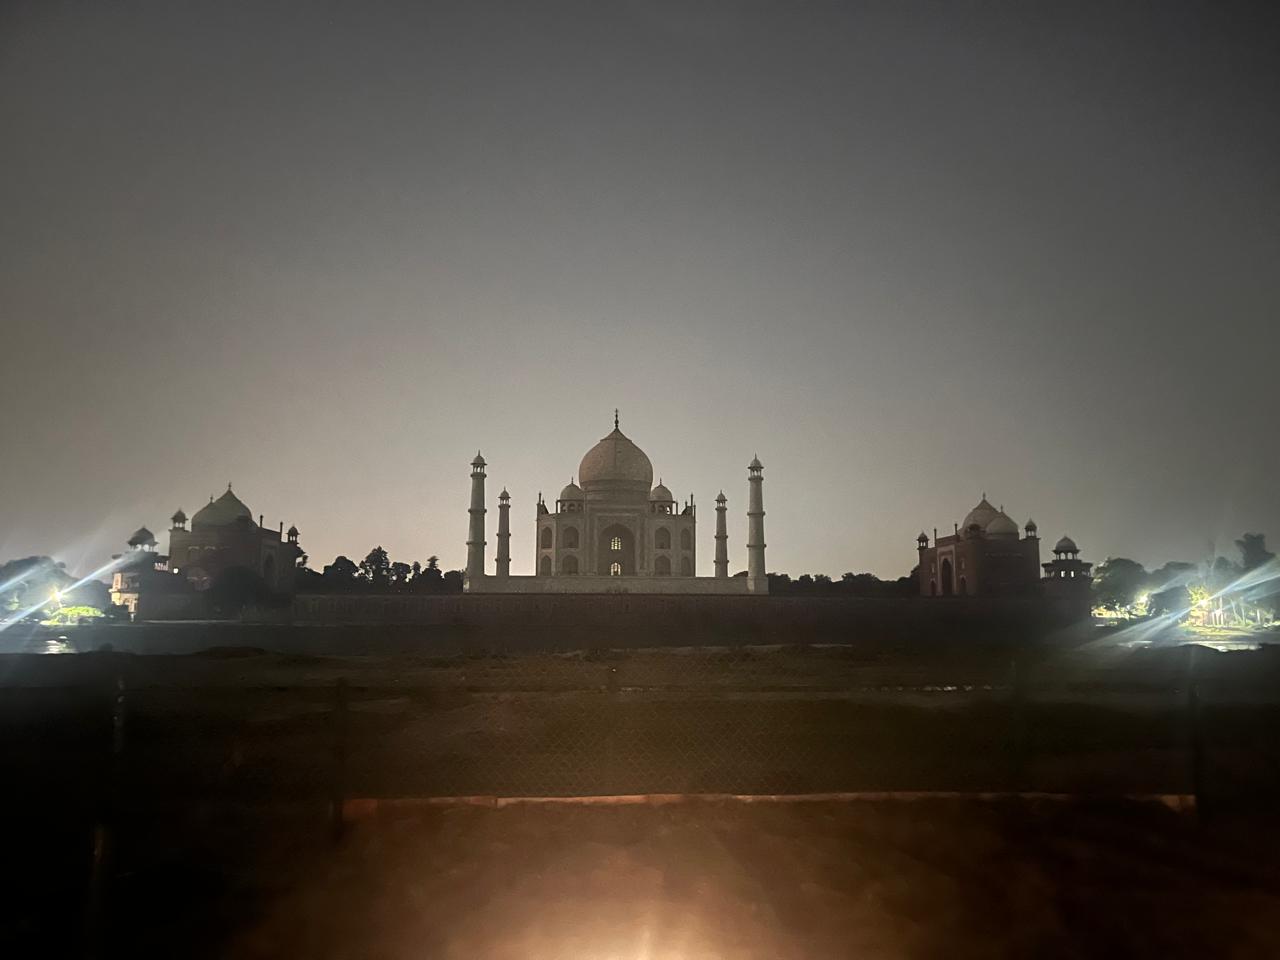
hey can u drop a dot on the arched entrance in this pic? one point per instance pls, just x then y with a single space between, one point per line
616 545
948 581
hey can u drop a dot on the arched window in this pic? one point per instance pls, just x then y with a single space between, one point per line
546 538
615 569
569 565
544 566
662 539
686 539
615 544
686 567
964 585
569 539
662 566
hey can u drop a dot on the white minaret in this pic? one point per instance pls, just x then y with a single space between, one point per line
722 539
757 580
504 533
475 533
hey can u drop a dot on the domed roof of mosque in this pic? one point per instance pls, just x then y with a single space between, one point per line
1002 525
615 461
660 492
1066 545
142 537
224 511
981 515
571 492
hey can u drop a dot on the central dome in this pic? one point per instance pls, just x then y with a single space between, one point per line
226 510
616 464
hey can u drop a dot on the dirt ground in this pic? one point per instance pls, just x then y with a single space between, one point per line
730 881
227 762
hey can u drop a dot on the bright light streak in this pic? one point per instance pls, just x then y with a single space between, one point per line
109 567
1259 581
26 575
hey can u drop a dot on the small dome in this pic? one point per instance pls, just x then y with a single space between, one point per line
923 538
615 462
224 511
661 493
722 498
1066 545
571 492
292 531
1031 526
478 461
1002 525
755 464
980 516
142 537
504 495
179 516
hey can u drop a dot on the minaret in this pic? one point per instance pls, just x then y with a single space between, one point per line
475 533
722 539
504 533
756 578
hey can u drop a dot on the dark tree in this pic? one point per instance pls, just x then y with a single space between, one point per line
376 567
1223 573
400 573
340 576
1174 599
1118 582
1253 551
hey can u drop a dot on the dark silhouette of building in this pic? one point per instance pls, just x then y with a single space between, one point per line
223 534
983 557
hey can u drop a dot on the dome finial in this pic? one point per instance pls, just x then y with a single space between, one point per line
615 418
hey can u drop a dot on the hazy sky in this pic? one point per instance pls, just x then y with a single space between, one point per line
905 252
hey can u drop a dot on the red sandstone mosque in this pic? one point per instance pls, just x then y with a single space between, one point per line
987 557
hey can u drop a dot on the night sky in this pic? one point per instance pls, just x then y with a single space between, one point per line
905 252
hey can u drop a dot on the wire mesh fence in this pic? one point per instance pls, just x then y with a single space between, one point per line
744 720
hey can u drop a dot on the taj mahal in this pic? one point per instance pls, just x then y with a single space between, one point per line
613 531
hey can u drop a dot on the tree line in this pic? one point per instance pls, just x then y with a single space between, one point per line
1244 588
378 573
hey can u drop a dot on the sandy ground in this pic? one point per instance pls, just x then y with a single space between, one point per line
702 880
229 760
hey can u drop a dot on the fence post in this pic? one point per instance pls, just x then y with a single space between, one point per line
103 855
1017 726
1195 739
338 774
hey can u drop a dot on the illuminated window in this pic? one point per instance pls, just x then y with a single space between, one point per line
616 544
615 569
